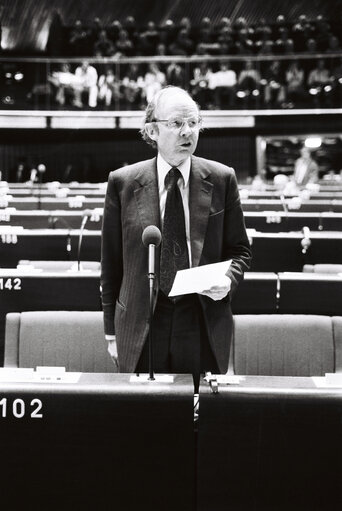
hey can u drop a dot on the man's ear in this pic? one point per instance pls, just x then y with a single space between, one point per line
152 131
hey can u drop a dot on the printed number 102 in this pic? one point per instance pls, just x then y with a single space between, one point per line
19 409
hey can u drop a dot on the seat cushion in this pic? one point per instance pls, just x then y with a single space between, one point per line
283 345
73 339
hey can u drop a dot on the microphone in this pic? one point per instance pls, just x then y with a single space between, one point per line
52 223
306 241
283 203
86 214
151 238
41 168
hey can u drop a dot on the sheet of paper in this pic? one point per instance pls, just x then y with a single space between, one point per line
200 278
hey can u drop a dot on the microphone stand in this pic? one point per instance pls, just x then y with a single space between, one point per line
40 181
84 221
151 277
53 221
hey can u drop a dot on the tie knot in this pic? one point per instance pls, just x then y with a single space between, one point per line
172 177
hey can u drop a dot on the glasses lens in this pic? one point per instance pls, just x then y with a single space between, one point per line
178 123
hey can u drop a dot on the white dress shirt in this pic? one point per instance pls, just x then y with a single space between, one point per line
183 184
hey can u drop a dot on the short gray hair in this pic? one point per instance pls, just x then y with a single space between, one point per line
150 112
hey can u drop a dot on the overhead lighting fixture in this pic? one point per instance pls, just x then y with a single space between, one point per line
313 142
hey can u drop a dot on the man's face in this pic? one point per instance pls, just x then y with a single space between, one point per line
175 145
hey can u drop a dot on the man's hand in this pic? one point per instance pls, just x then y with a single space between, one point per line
218 291
113 349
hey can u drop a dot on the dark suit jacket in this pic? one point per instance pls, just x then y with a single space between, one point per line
217 233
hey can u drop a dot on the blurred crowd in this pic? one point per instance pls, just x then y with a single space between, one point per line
128 39
223 84
224 66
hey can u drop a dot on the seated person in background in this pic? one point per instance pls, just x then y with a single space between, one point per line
305 169
103 47
318 80
200 85
334 45
64 83
77 42
274 93
124 45
249 82
222 83
154 80
183 45
175 75
132 86
148 40
108 87
295 90
86 82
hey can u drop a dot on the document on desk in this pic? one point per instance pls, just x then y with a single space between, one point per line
199 278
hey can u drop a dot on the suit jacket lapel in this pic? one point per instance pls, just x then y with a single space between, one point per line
199 205
147 196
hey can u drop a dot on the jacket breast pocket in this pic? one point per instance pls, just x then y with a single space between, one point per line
216 213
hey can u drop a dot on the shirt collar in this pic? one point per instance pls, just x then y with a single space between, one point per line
163 168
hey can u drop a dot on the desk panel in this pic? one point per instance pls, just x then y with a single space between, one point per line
272 252
270 444
26 203
40 219
47 244
256 294
283 251
102 443
310 205
304 293
270 221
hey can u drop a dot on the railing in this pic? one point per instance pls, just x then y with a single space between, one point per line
224 83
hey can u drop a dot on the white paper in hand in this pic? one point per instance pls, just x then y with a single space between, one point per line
200 278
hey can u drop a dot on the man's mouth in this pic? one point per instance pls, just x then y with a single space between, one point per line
186 144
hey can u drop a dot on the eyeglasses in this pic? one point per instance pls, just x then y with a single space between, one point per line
178 123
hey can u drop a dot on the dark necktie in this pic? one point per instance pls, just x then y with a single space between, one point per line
174 250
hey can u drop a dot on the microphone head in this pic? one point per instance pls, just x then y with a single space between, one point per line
87 213
151 236
41 168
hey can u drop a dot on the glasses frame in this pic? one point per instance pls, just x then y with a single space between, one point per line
183 123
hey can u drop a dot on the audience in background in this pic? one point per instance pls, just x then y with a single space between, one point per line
258 75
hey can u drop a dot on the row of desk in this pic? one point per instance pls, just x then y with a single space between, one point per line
271 251
82 202
258 293
101 441
59 192
265 221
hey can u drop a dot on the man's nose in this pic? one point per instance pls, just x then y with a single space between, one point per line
185 129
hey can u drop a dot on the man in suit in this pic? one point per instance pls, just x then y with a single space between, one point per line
191 333
305 169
